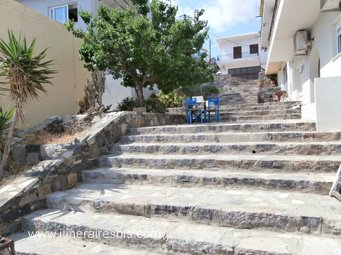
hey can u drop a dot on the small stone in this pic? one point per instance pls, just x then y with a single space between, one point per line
27 199
71 180
43 191
19 153
32 158
59 183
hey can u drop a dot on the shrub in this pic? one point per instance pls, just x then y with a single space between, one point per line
127 104
210 90
173 99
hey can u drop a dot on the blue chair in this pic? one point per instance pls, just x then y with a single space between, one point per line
213 104
191 110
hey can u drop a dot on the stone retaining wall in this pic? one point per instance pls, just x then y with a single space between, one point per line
28 192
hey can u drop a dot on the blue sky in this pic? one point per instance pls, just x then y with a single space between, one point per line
225 17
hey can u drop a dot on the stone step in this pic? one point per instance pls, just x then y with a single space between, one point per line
241 148
177 237
277 125
243 208
318 183
228 137
51 243
271 163
268 104
238 112
236 118
253 107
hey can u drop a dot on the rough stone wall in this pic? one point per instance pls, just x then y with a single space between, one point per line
28 192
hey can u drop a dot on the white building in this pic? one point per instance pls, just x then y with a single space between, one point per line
63 10
303 42
241 55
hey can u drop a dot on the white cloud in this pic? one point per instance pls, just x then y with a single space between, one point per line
221 13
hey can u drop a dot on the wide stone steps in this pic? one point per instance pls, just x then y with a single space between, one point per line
51 243
241 148
162 236
267 210
265 106
261 126
318 183
255 117
259 112
273 163
234 137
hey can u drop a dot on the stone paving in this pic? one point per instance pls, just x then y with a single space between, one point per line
258 187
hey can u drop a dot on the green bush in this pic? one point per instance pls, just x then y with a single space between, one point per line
127 104
173 99
210 90
156 103
200 90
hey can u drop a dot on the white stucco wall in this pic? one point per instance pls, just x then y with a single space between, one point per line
324 34
115 92
305 68
328 104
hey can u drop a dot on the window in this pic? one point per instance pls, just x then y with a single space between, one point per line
254 49
237 52
63 13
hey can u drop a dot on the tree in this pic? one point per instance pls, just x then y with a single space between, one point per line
25 75
146 45
94 90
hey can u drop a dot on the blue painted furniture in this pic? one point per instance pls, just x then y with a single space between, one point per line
213 105
191 110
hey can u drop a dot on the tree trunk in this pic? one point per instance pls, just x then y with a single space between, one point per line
140 96
7 148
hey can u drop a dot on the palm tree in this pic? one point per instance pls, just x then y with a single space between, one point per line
24 76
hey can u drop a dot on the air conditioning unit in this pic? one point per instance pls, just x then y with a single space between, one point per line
301 43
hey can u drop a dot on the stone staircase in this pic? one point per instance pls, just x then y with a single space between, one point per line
255 186
227 188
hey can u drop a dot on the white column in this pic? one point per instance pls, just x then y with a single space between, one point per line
291 78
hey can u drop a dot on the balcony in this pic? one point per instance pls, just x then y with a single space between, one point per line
247 60
245 55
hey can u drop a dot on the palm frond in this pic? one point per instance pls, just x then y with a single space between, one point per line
25 74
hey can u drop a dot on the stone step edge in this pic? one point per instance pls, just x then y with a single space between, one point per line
169 236
240 148
310 134
204 161
215 125
316 183
46 244
266 218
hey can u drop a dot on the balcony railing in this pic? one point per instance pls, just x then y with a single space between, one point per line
245 55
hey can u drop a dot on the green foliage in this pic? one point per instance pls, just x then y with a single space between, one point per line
200 90
172 99
5 120
146 45
24 74
156 103
211 90
127 104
